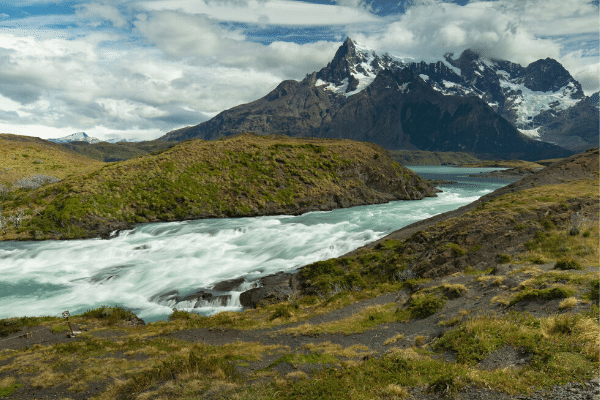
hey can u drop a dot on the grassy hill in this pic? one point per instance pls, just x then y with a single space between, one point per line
495 300
24 156
110 152
419 157
245 175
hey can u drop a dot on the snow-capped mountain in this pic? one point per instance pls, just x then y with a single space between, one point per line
465 104
76 137
519 94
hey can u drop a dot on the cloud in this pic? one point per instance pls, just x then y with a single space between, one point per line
203 41
517 31
100 84
269 12
100 12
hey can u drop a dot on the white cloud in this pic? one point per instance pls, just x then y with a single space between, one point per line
268 12
521 32
202 41
101 12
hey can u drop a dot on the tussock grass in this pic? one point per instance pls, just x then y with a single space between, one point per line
394 339
366 319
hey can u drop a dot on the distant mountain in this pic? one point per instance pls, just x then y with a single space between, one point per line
468 104
76 137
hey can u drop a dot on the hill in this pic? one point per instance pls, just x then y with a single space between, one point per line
496 300
25 156
244 175
418 157
120 151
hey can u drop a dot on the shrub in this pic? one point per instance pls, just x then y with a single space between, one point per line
542 294
10 326
503 258
594 294
456 249
35 181
425 305
284 311
180 315
112 315
567 263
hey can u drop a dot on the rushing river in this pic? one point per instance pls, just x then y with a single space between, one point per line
133 269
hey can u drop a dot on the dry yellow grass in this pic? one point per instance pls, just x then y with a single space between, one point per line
394 339
568 303
22 156
399 392
420 340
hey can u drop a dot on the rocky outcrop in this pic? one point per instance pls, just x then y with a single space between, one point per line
281 286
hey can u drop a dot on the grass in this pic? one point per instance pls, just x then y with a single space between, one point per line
542 294
23 156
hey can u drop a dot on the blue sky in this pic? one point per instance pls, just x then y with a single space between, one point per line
139 68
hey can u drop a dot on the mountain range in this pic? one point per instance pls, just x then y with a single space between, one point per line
492 108
84 137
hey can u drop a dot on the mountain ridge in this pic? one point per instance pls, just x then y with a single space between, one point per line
320 105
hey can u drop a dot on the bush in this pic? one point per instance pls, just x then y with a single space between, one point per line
110 314
284 311
542 294
503 258
426 305
180 315
10 326
567 263
594 294
35 181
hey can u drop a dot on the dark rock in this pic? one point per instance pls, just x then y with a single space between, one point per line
278 287
229 285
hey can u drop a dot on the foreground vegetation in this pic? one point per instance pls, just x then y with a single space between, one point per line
502 299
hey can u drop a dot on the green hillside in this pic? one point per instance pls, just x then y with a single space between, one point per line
24 156
110 152
419 157
245 175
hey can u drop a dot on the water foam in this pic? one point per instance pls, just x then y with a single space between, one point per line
134 268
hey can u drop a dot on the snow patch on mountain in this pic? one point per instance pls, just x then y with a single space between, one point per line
76 137
532 133
528 103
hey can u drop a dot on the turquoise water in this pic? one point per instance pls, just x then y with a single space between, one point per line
136 267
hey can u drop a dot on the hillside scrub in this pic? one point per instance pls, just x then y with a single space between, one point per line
23 157
245 175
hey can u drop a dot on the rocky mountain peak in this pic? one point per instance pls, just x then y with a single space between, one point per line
549 75
351 62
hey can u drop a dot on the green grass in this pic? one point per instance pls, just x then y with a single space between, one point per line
542 294
10 389
245 175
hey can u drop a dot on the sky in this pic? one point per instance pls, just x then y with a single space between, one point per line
137 69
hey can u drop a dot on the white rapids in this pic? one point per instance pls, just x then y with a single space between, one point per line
134 268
